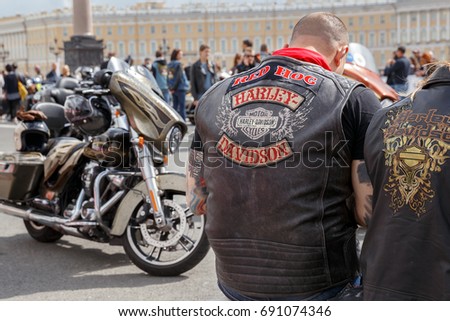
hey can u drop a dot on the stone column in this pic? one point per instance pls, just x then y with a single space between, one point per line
82 18
83 49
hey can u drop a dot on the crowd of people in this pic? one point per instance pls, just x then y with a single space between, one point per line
399 67
18 86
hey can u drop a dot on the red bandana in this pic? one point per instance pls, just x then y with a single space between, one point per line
303 55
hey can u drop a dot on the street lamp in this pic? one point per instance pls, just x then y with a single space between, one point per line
3 53
54 49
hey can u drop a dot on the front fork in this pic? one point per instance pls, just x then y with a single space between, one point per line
146 165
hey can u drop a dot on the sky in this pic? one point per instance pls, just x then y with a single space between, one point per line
11 8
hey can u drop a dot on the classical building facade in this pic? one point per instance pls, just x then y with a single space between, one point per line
139 30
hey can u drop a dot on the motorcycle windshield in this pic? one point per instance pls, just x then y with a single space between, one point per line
361 56
115 64
149 115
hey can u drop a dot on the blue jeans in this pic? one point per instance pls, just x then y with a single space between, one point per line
322 296
400 88
179 102
166 94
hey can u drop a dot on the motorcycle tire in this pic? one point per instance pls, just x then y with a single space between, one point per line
41 232
171 253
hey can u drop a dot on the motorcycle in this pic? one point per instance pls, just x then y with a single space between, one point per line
112 186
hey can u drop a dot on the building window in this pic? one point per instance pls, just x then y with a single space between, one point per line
152 30
434 34
153 46
413 35
393 37
351 37
362 38
176 28
189 45
291 25
280 42
423 35
382 39
188 28
245 27
234 45
257 26
444 35
131 30
65 32
268 43
257 43
361 21
234 27
371 20
131 48
223 27
121 49
223 45
403 36
212 45
142 48
269 25
200 27
120 31
199 42
280 25
382 20
350 21
141 30
109 31
177 44
372 39
211 27
110 46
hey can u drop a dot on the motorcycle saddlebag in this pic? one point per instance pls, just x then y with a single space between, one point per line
20 174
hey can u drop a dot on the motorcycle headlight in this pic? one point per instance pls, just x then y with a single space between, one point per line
173 140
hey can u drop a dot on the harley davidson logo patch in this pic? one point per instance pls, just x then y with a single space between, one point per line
276 95
254 156
257 122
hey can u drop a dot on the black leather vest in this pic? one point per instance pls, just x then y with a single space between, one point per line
277 168
406 252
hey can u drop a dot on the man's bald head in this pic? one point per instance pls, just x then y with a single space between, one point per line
322 30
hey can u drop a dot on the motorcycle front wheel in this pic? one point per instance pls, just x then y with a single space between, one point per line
171 252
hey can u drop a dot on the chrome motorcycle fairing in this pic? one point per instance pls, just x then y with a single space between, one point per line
148 114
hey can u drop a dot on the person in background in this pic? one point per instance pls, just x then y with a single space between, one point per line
177 82
104 64
248 61
203 74
65 71
147 64
277 154
415 61
406 250
11 91
159 70
236 62
264 52
52 75
397 71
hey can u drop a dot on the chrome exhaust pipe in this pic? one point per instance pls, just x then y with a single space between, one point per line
55 223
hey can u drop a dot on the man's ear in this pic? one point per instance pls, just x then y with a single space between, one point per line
340 53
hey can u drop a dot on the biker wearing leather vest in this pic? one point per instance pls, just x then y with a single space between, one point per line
272 166
406 252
